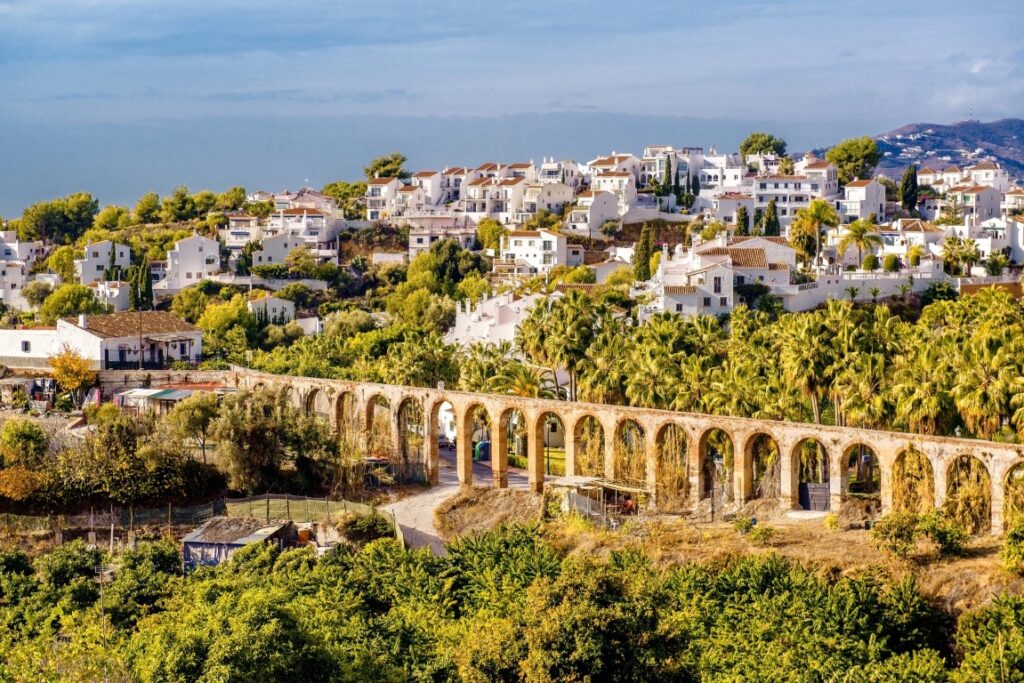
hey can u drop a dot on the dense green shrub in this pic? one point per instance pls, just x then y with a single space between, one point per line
948 534
896 533
366 528
1012 552
743 524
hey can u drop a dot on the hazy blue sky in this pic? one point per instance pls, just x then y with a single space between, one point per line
122 96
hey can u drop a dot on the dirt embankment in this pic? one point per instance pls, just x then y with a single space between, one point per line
482 508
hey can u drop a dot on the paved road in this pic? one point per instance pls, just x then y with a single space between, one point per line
416 513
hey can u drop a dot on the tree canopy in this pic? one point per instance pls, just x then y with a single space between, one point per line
762 143
855 158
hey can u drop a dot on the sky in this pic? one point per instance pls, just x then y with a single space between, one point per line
119 97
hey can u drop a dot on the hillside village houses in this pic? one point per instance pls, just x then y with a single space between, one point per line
16 259
191 261
272 309
534 252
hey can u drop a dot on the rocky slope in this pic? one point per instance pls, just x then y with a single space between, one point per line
962 144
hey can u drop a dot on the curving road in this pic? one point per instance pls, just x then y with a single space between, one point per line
415 513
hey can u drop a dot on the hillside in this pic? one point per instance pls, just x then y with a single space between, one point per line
963 143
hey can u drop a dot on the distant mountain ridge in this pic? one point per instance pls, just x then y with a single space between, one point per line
961 144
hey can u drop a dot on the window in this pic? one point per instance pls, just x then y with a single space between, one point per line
679 308
95 254
98 267
718 285
740 279
26 347
723 301
707 302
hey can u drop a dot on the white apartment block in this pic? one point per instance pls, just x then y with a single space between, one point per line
593 208
501 198
614 163
861 199
814 179
979 201
620 184
534 252
317 229
989 174
421 237
430 184
565 172
97 258
192 260
240 231
16 258
553 197
305 198
380 197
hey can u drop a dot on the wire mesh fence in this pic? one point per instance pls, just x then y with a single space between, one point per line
302 509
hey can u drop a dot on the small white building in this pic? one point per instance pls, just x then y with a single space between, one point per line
726 204
592 210
274 310
112 293
109 342
989 174
861 199
565 172
275 249
380 197
97 258
16 259
192 260
491 320
420 238
980 201
533 252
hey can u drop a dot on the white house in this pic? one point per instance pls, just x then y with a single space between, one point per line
615 163
380 197
989 174
861 199
274 310
566 172
109 342
491 320
726 204
276 249
421 237
818 179
1013 201
16 259
430 183
592 210
553 197
97 258
534 252
111 293
980 201
240 231
192 260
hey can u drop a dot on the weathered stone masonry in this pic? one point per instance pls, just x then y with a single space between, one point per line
309 393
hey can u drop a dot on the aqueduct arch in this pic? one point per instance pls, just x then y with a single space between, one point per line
675 445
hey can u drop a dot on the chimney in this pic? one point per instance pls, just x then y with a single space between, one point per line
82 322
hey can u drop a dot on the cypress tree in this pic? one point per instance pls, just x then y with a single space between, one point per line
132 278
695 185
145 284
757 227
666 177
642 254
908 189
771 220
675 183
742 221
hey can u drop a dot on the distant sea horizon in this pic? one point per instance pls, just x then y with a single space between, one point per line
118 162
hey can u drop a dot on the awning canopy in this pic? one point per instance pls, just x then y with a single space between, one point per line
170 395
168 337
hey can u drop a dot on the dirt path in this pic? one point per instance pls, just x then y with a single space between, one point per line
416 513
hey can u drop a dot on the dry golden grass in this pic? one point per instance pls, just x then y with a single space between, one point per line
481 508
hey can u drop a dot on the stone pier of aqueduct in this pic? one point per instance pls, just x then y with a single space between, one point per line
355 403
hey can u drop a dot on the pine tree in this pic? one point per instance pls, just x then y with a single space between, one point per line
771 220
742 221
908 189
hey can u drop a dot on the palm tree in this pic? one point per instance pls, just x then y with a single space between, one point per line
953 253
805 356
852 292
915 252
904 290
818 214
524 381
874 292
996 264
985 382
921 385
862 235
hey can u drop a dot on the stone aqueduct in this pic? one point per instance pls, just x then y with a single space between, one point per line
357 402
999 459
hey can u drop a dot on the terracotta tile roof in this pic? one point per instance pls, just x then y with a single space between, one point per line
479 181
977 189
524 233
380 181
984 166
300 212
748 258
611 160
778 266
951 169
817 165
918 225
925 171
733 195
680 289
424 174
488 166
409 188
771 238
1016 192
128 324
859 183
456 170
520 164
511 181
614 174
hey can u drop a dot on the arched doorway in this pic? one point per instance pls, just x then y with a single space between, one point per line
291 396
411 461
477 427
346 418
913 482
589 447
862 474
1013 497
673 469
810 461
716 469
554 444
969 494
630 453
762 457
